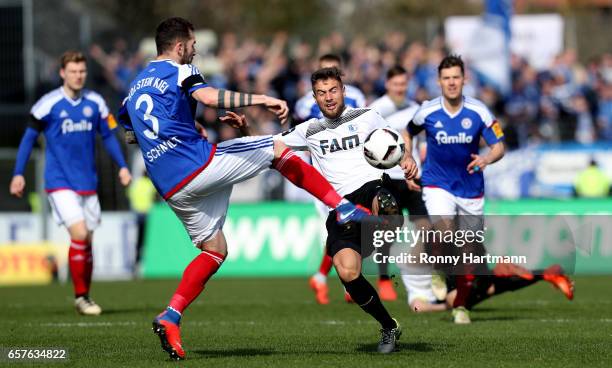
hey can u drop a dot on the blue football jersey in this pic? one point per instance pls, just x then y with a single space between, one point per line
70 128
451 139
161 111
306 107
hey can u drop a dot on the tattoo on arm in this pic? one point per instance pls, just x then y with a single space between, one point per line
221 98
233 99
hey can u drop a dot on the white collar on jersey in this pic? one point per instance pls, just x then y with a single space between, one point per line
448 112
72 102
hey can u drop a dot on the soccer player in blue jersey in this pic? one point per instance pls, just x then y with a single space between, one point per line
452 179
69 118
196 177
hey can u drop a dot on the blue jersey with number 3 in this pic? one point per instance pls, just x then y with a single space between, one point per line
161 112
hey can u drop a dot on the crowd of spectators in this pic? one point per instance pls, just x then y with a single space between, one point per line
567 102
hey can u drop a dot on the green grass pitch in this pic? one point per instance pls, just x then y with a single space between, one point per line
276 323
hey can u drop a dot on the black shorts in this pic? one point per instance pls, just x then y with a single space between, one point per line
407 199
349 235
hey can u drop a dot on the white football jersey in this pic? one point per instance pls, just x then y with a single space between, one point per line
398 118
385 106
336 147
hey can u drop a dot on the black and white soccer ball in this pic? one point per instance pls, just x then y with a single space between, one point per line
383 148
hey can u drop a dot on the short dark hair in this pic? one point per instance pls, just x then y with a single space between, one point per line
451 61
326 73
72 56
171 30
331 57
395 70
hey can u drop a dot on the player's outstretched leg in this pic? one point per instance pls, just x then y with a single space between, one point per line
461 313
167 324
348 265
318 281
308 178
513 277
80 263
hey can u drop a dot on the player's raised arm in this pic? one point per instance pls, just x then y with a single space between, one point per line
224 99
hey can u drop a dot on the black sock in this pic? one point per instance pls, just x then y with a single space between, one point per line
383 267
512 283
364 294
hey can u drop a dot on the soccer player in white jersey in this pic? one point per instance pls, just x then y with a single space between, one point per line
307 108
397 109
334 142
196 177
452 179
69 118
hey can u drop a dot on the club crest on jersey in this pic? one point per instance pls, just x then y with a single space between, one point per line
466 123
69 126
346 143
87 111
443 138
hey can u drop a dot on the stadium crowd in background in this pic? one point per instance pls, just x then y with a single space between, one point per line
567 102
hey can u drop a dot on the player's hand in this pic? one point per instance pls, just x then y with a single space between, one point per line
413 186
17 186
278 107
478 164
234 120
410 167
124 176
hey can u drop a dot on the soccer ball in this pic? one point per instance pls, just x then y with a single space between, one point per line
383 148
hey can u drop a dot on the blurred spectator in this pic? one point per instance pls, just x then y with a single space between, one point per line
141 194
592 182
567 101
119 66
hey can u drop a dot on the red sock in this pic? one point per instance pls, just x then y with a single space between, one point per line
464 287
326 265
194 278
307 177
80 262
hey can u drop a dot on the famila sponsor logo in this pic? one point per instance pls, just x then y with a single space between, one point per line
443 138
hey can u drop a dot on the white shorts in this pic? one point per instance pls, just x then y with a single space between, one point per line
69 207
441 203
202 204
418 287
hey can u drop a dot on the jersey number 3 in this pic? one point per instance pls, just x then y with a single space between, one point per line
148 101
